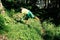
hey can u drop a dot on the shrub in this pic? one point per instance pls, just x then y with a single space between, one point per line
1 22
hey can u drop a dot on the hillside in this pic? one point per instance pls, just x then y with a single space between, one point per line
16 30
12 29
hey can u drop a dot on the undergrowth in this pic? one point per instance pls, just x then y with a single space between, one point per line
34 30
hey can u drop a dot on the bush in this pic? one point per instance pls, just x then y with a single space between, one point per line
1 22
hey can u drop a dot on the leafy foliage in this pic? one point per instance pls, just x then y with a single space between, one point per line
17 30
34 30
1 22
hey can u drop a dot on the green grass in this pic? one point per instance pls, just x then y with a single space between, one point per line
34 31
19 31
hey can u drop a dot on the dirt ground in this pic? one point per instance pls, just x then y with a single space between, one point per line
3 37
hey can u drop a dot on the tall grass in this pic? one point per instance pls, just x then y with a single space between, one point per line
19 31
34 30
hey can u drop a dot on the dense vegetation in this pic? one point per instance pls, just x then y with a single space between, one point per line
13 29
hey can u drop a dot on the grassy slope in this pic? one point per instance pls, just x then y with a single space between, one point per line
20 31
34 31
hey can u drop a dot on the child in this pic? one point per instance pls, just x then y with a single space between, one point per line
27 14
